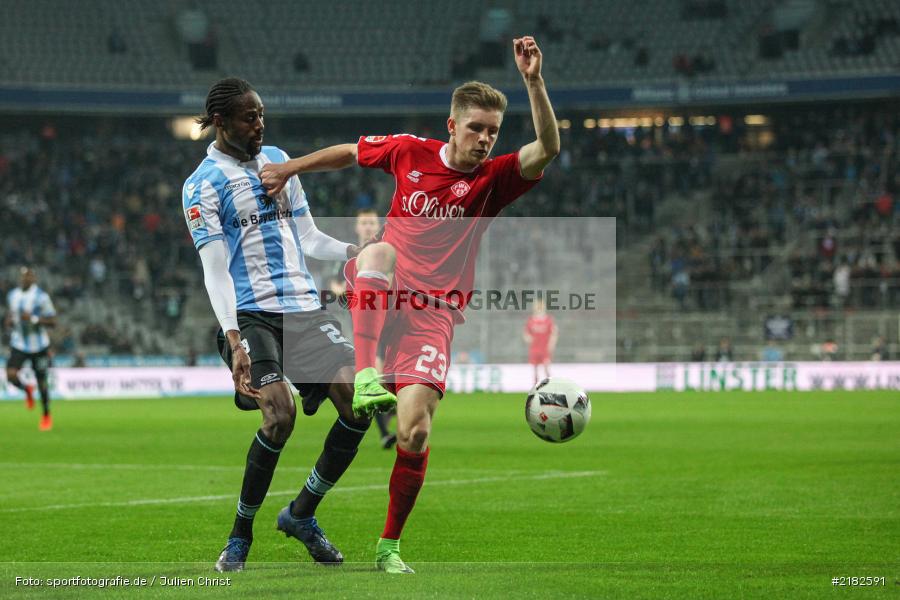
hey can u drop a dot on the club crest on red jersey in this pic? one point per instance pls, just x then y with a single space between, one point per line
460 189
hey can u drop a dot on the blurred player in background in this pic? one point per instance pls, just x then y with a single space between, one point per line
452 191
252 247
540 334
30 312
367 227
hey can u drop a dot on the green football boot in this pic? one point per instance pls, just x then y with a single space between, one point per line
369 396
387 557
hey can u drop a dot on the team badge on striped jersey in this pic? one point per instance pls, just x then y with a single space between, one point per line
194 218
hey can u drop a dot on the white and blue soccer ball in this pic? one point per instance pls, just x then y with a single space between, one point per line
557 409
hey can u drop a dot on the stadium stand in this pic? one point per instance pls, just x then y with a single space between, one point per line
707 222
721 219
182 43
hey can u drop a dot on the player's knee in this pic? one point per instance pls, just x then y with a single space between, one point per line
414 439
278 426
377 257
279 415
11 373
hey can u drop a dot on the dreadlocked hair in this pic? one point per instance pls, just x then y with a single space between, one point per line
221 97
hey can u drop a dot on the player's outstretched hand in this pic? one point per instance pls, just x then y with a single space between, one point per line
528 56
240 373
274 177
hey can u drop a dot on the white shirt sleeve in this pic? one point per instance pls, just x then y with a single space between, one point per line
316 244
219 284
47 308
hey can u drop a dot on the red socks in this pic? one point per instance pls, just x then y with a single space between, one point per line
406 481
368 311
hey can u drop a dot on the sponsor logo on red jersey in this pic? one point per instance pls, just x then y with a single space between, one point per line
418 204
460 189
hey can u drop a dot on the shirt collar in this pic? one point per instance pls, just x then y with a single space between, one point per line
219 156
444 160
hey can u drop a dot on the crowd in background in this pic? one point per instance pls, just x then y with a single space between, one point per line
98 209
818 206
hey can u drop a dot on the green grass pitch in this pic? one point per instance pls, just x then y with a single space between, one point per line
729 495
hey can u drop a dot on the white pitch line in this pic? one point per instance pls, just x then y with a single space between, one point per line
174 467
357 488
147 467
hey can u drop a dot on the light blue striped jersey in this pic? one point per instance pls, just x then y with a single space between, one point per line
33 302
225 200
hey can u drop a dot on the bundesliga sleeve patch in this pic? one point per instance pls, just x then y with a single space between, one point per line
374 139
194 218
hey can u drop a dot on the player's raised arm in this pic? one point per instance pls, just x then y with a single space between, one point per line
539 153
275 176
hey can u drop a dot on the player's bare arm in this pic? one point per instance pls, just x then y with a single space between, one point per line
275 176
240 365
47 321
534 157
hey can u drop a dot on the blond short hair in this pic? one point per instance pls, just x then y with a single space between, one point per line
479 95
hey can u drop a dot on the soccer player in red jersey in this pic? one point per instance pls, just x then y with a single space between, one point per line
446 195
540 335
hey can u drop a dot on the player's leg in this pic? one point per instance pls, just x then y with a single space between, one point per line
41 365
383 419
373 279
339 449
261 336
319 360
13 366
278 413
416 404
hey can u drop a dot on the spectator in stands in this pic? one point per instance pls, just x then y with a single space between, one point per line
771 353
698 354
599 42
301 63
642 57
703 62
829 350
842 284
681 281
658 255
879 349
115 43
193 26
682 64
725 353
546 28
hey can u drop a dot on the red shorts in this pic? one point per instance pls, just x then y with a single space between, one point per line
416 338
539 356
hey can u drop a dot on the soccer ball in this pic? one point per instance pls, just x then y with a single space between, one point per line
557 410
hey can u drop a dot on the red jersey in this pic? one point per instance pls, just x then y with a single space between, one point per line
540 328
438 214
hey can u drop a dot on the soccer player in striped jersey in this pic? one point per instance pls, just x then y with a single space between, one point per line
30 312
253 247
